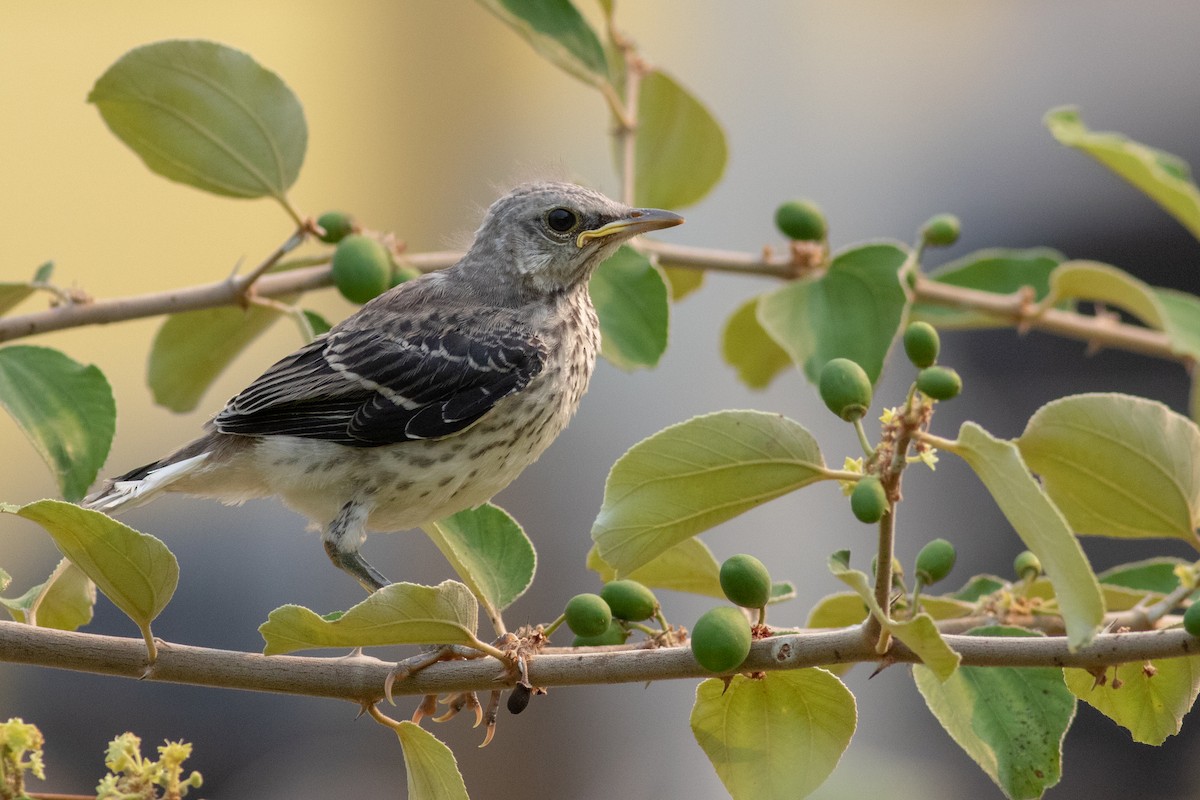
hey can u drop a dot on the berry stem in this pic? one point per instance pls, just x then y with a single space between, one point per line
868 450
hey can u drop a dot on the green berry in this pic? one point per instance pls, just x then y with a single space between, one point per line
1191 619
629 600
1027 565
941 230
337 226
801 221
868 501
361 268
845 388
921 344
721 639
588 615
614 635
939 383
935 561
745 581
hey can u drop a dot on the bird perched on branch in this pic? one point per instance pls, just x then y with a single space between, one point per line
431 398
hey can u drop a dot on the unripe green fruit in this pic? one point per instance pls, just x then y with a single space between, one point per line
361 269
868 501
1191 619
935 561
745 581
801 221
629 600
921 344
614 635
941 230
588 615
721 639
939 383
1027 565
337 226
845 388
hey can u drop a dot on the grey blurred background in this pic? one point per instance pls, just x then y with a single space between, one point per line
419 114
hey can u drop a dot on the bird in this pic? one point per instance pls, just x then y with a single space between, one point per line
429 399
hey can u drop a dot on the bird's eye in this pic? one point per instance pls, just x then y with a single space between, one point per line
562 219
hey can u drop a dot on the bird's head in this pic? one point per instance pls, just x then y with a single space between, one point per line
551 236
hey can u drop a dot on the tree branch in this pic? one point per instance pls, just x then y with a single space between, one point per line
362 679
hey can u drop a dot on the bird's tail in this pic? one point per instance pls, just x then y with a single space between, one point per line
143 484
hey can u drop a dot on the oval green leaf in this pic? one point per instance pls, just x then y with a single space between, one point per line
853 311
64 602
12 293
193 348
689 477
631 301
1010 720
1148 699
1040 525
1117 465
134 570
490 552
777 737
680 151
432 771
206 115
998 271
682 281
66 410
1164 178
1150 575
400 613
749 349
558 32
1181 320
1104 283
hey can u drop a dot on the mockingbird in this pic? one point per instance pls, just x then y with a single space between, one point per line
432 397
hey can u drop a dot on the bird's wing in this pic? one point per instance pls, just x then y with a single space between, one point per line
367 386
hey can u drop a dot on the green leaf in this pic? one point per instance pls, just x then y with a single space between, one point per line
1104 283
1010 720
400 613
193 348
64 602
1117 465
206 115
777 737
64 408
559 34
919 633
853 311
691 476
1163 177
682 281
980 586
12 293
631 302
318 323
1149 699
749 349
688 566
1040 525
1181 320
1151 575
134 570
680 150
490 552
997 271
432 771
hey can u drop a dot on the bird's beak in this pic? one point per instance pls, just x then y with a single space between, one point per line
639 220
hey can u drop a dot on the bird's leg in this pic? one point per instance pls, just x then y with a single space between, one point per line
342 539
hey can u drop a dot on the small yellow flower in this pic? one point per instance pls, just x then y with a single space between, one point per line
888 415
927 456
851 465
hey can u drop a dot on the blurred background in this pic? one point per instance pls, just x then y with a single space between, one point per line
419 114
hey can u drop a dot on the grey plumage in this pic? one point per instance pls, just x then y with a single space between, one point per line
428 400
